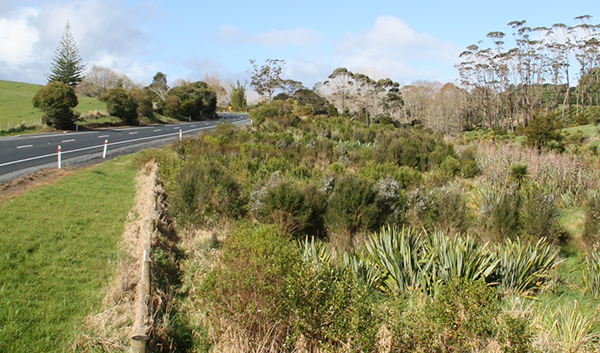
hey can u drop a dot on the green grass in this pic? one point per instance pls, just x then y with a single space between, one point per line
58 245
16 106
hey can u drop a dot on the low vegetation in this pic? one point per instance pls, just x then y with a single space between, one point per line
437 246
59 244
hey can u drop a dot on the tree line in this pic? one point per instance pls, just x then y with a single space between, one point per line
506 86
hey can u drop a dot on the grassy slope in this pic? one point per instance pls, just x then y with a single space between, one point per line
57 244
15 102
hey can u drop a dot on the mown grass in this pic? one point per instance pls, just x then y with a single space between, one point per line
57 247
16 106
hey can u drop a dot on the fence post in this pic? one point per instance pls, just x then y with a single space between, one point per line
138 344
147 273
59 161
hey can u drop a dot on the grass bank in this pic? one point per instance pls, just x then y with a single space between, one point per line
58 245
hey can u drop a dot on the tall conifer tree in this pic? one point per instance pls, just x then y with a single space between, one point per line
67 66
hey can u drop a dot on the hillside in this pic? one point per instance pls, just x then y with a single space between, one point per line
16 107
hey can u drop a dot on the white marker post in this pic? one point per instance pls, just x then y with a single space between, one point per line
179 134
59 161
105 145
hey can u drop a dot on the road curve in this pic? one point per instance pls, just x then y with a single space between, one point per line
25 154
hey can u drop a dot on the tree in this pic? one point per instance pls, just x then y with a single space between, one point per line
67 66
57 100
214 82
120 104
237 97
266 79
159 86
195 101
100 79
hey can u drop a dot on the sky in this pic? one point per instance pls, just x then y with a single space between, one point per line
185 39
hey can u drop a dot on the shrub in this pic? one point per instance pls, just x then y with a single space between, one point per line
143 101
540 215
282 203
500 212
57 100
205 193
120 104
352 209
330 309
247 294
464 317
452 211
542 129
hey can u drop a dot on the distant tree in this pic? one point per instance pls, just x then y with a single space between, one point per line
266 79
120 104
67 65
291 86
159 86
214 82
196 101
100 79
57 100
237 97
306 96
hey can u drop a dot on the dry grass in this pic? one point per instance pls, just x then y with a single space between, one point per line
564 173
111 329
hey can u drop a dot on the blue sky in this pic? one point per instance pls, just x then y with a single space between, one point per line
403 40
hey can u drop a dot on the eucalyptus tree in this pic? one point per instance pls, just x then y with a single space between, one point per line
340 81
266 78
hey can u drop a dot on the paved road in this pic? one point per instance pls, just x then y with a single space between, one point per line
25 154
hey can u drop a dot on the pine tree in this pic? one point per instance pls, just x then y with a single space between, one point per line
67 65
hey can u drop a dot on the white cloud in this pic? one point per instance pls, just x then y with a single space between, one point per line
301 37
393 47
17 38
103 30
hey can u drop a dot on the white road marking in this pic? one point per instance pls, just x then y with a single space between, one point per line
24 146
193 126
102 136
175 128
71 140
133 133
156 130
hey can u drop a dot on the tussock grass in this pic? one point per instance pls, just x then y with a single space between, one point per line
58 247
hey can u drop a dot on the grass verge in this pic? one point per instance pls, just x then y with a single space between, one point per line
57 247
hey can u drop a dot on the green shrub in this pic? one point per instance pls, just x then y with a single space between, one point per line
500 213
205 193
351 209
452 210
462 317
469 167
247 293
120 104
57 100
540 215
284 204
330 309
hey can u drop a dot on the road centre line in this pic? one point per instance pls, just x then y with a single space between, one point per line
102 136
156 130
24 146
133 133
71 140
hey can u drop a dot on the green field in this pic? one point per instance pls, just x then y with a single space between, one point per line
58 245
16 106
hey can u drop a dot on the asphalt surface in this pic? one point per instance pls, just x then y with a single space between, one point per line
25 154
